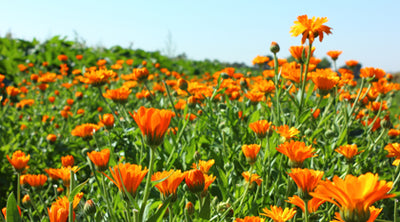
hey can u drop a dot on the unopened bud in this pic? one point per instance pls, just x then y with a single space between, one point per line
182 84
274 47
224 75
189 208
89 208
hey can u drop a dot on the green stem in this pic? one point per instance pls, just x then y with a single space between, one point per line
18 189
148 184
305 211
170 98
397 178
303 80
42 202
276 81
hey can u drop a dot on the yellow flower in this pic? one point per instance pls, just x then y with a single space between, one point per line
310 28
277 214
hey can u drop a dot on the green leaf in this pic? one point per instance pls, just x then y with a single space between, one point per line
160 211
205 209
76 190
12 209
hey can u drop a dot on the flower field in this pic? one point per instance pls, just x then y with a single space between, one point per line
126 135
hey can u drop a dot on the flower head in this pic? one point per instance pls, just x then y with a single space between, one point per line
277 214
85 130
306 179
325 79
195 180
204 166
254 178
348 151
393 151
63 173
97 77
250 219
100 159
312 205
67 161
119 95
19 160
107 120
36 181
286 132
169 185
127 176
354 195
334 54
310 28
261 127
153 123
250 152
296 151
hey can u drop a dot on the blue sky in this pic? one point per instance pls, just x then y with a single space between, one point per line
231 31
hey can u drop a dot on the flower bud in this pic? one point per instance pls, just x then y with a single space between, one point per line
274 47
189 208
182 84
89 208
26 200
224 75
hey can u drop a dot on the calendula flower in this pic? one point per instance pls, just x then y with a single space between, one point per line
254 178
19 160
334 54
250 219
393 150
195 180
306 180
261 128
119 95
351 63
63 173
140 73
370 72
250 152
169 185
97 77
12 91
297 53
153 123
296 151
374 213
107 120
312 205
325 80
58 213
310 28
349 151
127 176
100 159
260 59
277 214
286 132
67 161
354 195
204 166
36 181
254 96
208 180
85 130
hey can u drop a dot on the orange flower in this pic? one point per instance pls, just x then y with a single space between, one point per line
97 77
67 161
348 151
297 53
19 160
374 213
63 173
250 219
260 59
79 57
153 123
62 57
36 181
261 128
354 195
324 80
394 132
310 28
277 214
12 91
107 120
254 96
312 205
334 54
127 176
296 151
100 159
204 166
58 213
254 178
393 151
370 72
169 185
119 95
195 180
306 179
287 132
85 130
140 73
208 180
250 152
351 63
